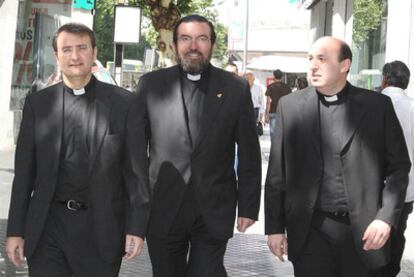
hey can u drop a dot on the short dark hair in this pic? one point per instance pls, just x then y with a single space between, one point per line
396 74
345 52
278 74
74 28
194 18
302 82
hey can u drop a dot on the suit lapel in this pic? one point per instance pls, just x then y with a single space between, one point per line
353 114
100 114
174 82
310 117
212 103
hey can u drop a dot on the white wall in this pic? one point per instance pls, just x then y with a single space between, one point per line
82 16
8 18
274 26
400 35
342 20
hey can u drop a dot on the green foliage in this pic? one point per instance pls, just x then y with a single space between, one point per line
104 28
367 17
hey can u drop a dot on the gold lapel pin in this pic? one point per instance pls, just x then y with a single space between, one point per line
219 95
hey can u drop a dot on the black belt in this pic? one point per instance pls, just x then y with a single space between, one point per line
338 214
74 205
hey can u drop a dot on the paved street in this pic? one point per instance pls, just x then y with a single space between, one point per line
247 254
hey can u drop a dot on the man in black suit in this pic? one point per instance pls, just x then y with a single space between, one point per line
191 116
77 204
337 174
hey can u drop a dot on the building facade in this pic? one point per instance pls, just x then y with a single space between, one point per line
26 54
377 31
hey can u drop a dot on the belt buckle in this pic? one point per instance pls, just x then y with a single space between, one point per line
340 214
72 205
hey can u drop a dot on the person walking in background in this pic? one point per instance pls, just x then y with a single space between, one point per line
77 205
301 83
395 79
338 172
191 116
257 96
231 67
274 92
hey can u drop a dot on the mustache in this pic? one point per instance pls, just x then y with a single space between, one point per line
193 52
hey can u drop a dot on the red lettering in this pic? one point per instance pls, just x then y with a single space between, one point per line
18 50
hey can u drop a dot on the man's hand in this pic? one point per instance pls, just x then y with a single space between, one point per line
14 249
376 235
133 246
278 245
267 118
243 223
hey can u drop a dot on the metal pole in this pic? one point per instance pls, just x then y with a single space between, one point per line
246 36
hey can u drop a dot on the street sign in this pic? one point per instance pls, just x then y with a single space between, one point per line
84 4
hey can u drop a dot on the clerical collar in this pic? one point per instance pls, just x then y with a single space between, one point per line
196 77
335 99
80 91
198 80
193 77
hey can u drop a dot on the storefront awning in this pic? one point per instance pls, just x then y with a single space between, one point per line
284 63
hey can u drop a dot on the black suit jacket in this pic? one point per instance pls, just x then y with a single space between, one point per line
375 166
228 118
118 203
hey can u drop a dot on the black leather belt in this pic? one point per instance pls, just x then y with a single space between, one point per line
74 205
338 214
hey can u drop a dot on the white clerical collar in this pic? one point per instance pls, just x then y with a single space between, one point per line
193 77
79 91
332 98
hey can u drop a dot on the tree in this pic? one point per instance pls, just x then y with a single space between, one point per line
367 17
164 14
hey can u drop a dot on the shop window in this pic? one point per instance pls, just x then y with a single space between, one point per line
368 45
31 63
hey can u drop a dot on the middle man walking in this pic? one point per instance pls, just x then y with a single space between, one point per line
191 116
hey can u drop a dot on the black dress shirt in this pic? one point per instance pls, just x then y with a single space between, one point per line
193 97
332 114
74 159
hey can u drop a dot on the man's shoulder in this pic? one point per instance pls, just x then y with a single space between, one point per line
159 74
114 89
45 92
278 87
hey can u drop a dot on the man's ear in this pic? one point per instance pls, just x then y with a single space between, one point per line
384 82
346 65
95 53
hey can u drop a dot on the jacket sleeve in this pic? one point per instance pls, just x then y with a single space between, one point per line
275 181
249 159
397 167
24 174
136 167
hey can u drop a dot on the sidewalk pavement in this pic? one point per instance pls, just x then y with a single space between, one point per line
247 254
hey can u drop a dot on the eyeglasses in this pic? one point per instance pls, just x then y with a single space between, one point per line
68 50
199 40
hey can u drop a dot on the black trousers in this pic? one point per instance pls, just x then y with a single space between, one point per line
66 248
330 250
398 241
188 250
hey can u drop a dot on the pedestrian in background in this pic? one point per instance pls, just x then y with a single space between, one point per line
301 83
337 174
256 92
395 79
191 116
274 92
77 205
231 67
